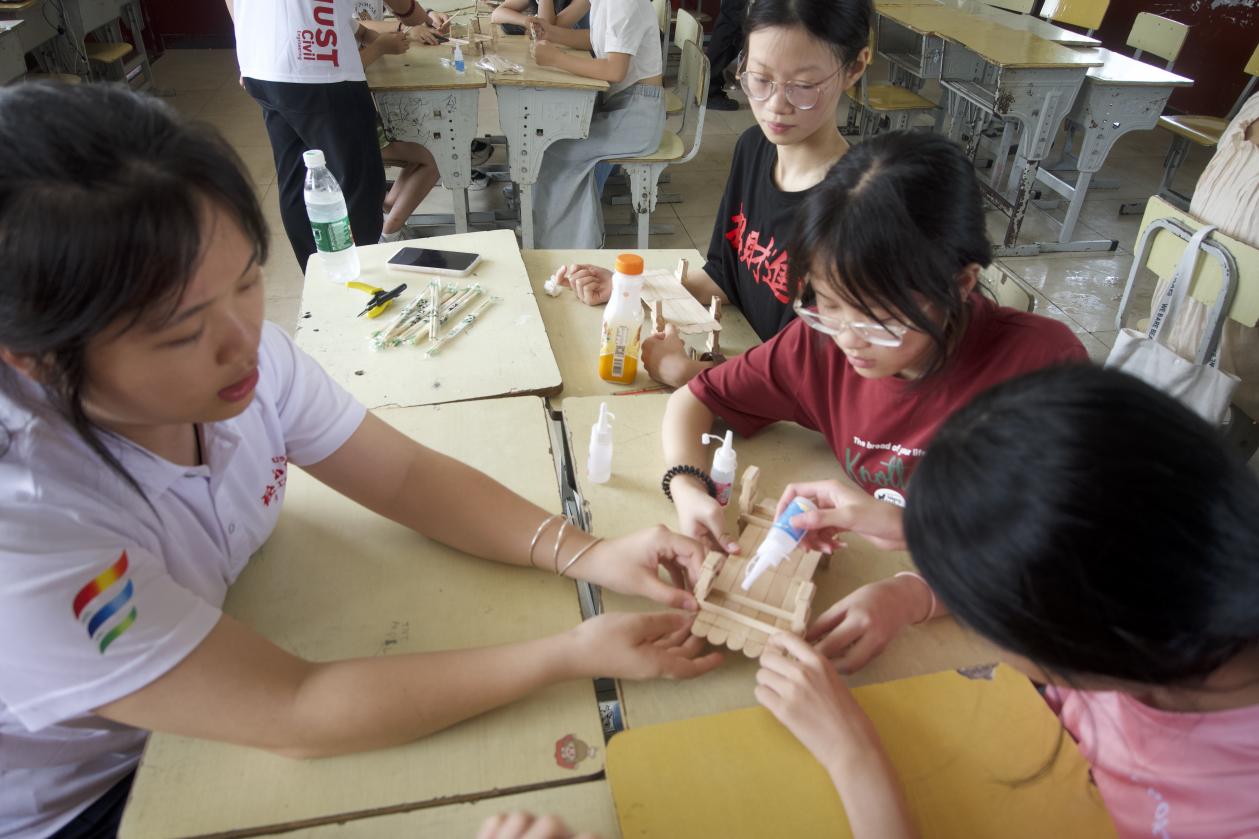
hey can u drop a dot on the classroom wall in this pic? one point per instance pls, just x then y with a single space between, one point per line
1223 36
178 24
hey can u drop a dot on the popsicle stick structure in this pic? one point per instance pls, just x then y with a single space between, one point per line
676 305
780 600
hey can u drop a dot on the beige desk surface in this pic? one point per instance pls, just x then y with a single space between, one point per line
516 48
1026 23
993 42
1121 69
784 453
506 353
585 807
574 327
421 68
336 581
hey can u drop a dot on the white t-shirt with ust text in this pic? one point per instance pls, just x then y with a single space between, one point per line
302 41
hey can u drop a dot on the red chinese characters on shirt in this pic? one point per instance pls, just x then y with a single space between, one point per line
319 43
279 477
766 263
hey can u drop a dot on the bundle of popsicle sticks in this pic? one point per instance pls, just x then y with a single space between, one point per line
422 318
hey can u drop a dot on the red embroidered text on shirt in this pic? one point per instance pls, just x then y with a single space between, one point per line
323 37
766 264
279 476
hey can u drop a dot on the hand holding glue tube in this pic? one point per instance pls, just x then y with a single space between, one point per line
841 507
779 542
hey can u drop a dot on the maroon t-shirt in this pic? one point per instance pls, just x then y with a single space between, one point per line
878 428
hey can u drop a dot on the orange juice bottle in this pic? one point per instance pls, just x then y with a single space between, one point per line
623 322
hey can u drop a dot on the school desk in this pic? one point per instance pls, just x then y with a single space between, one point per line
12 56
41 34
336 581
583 807
987 70
1025 23
574 327
421 100
505 353
536 108
784 452
969 754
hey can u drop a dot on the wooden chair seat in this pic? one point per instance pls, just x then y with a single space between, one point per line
60 78
890 97
107 52
1203 130
671 148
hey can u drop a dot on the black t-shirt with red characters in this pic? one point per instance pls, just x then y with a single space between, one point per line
747 256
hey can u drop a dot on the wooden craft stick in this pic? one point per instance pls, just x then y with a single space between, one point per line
435 305
449 307
714 311
462 326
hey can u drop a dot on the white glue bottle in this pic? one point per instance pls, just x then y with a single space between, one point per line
779 542
725 462
457 61
599 466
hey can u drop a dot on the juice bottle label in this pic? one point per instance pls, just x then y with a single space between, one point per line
618 356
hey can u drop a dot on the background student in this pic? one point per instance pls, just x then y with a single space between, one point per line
891 244
1101 534
514 15
148 421
799 58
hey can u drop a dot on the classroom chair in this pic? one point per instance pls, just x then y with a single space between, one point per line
663 10
1160 35
871 103
643 172
1007 289
1086 14
686 28
1203 130
1234 265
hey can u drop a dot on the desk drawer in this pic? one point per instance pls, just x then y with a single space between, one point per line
912 51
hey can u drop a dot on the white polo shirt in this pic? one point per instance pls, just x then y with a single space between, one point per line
100 595
631 27
302 41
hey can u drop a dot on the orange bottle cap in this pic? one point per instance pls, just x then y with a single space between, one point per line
629 263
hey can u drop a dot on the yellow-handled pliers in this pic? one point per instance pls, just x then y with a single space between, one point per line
380 299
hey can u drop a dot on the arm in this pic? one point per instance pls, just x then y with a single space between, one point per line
699 515
611 69
417 15
376 43
572 13
550 33
511 11
238 687
703 287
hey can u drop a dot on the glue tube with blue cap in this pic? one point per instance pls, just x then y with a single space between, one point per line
779 542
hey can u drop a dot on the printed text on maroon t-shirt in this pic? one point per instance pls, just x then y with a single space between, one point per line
323 36
765 262
889 472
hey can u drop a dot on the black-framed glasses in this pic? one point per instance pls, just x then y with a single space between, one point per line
879 334
760 88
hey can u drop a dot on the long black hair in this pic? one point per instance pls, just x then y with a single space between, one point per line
1082 519
843 25
103 197
890 227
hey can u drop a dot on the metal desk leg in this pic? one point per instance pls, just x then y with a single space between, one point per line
444 122
533 118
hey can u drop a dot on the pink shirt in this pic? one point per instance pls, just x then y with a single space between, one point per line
1168 775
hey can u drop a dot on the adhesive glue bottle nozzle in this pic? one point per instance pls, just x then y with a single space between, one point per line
725 462
599 466
779 542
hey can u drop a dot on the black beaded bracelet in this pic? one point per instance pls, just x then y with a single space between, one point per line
693 471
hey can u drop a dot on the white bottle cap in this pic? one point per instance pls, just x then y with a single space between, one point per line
313 158
602 430
724 459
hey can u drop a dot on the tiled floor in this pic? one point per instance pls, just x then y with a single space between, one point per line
1082 290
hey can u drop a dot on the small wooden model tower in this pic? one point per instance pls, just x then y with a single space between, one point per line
666 300
780 600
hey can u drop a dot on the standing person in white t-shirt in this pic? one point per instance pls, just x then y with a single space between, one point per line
148 422
628 118
299 60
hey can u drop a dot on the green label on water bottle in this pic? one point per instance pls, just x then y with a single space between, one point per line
332 236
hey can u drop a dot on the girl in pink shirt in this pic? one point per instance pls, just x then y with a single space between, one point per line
1101 534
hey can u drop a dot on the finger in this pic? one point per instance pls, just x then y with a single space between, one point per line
515 823
682 667
769 699
796 646
677 575
775 660
715 522
691 646
670 331
786 498
858 655
682 551
820 520
653 625
773 680
838 640
489 827
674 640
827 621
546 827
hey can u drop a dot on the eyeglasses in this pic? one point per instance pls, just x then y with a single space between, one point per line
760 88
878 334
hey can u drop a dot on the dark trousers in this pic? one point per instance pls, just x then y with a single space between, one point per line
101 819
726 41
340 119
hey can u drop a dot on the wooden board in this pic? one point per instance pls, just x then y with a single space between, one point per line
515 48
1027 23
1118 68
573 327
960 748
507 353
336 581
421 68
784 453
993 42
585 807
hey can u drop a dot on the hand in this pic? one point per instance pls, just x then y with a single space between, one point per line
391 43
422 34
545 55
540 29
857 628
804 693
842 507
631 565
591 284
665 357
521 825
439 20
653 645
700 516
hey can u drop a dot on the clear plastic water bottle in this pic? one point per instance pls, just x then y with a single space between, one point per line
329 220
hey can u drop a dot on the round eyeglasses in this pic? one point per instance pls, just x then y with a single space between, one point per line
800 95
878 334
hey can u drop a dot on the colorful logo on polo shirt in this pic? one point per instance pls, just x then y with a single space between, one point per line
109 601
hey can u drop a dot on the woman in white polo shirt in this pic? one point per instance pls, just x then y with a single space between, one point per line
148 418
